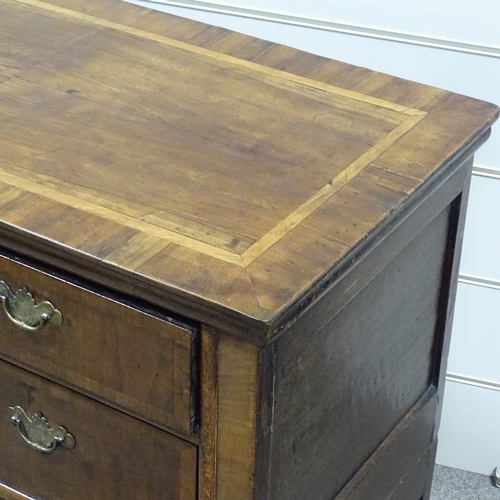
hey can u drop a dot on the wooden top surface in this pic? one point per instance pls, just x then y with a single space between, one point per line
230 173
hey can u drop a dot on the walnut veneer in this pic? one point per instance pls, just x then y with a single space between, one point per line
254 251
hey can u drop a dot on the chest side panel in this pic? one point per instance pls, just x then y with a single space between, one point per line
342 390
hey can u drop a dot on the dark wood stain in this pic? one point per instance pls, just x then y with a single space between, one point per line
368 366
100 348
115 457
255 251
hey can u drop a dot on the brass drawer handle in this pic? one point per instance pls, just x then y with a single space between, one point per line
21 309
37 432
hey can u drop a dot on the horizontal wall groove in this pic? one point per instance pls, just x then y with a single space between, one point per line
476 281
476 382
350 29
491 173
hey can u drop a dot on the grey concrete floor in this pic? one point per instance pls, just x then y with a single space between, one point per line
454 484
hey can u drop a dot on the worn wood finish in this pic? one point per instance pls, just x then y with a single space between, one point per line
394 460
100 348
355 273
367 370
286 117
209 415
237 416
410 487
116 456
448 299
445 198
254 249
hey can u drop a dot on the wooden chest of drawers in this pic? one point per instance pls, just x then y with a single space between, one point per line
227 267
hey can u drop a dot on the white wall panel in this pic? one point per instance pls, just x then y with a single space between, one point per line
476 332
468 437
481 251
477 76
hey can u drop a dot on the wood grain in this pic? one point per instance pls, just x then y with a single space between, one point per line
335 185
116 456
157 224
100 348
348 385
448 298
218 56
209 416
396 457
236 430
411 486
388 474
299 213
230 151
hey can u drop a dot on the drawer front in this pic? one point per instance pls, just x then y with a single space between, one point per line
118 353
115 456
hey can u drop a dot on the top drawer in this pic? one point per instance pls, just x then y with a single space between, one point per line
123 355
